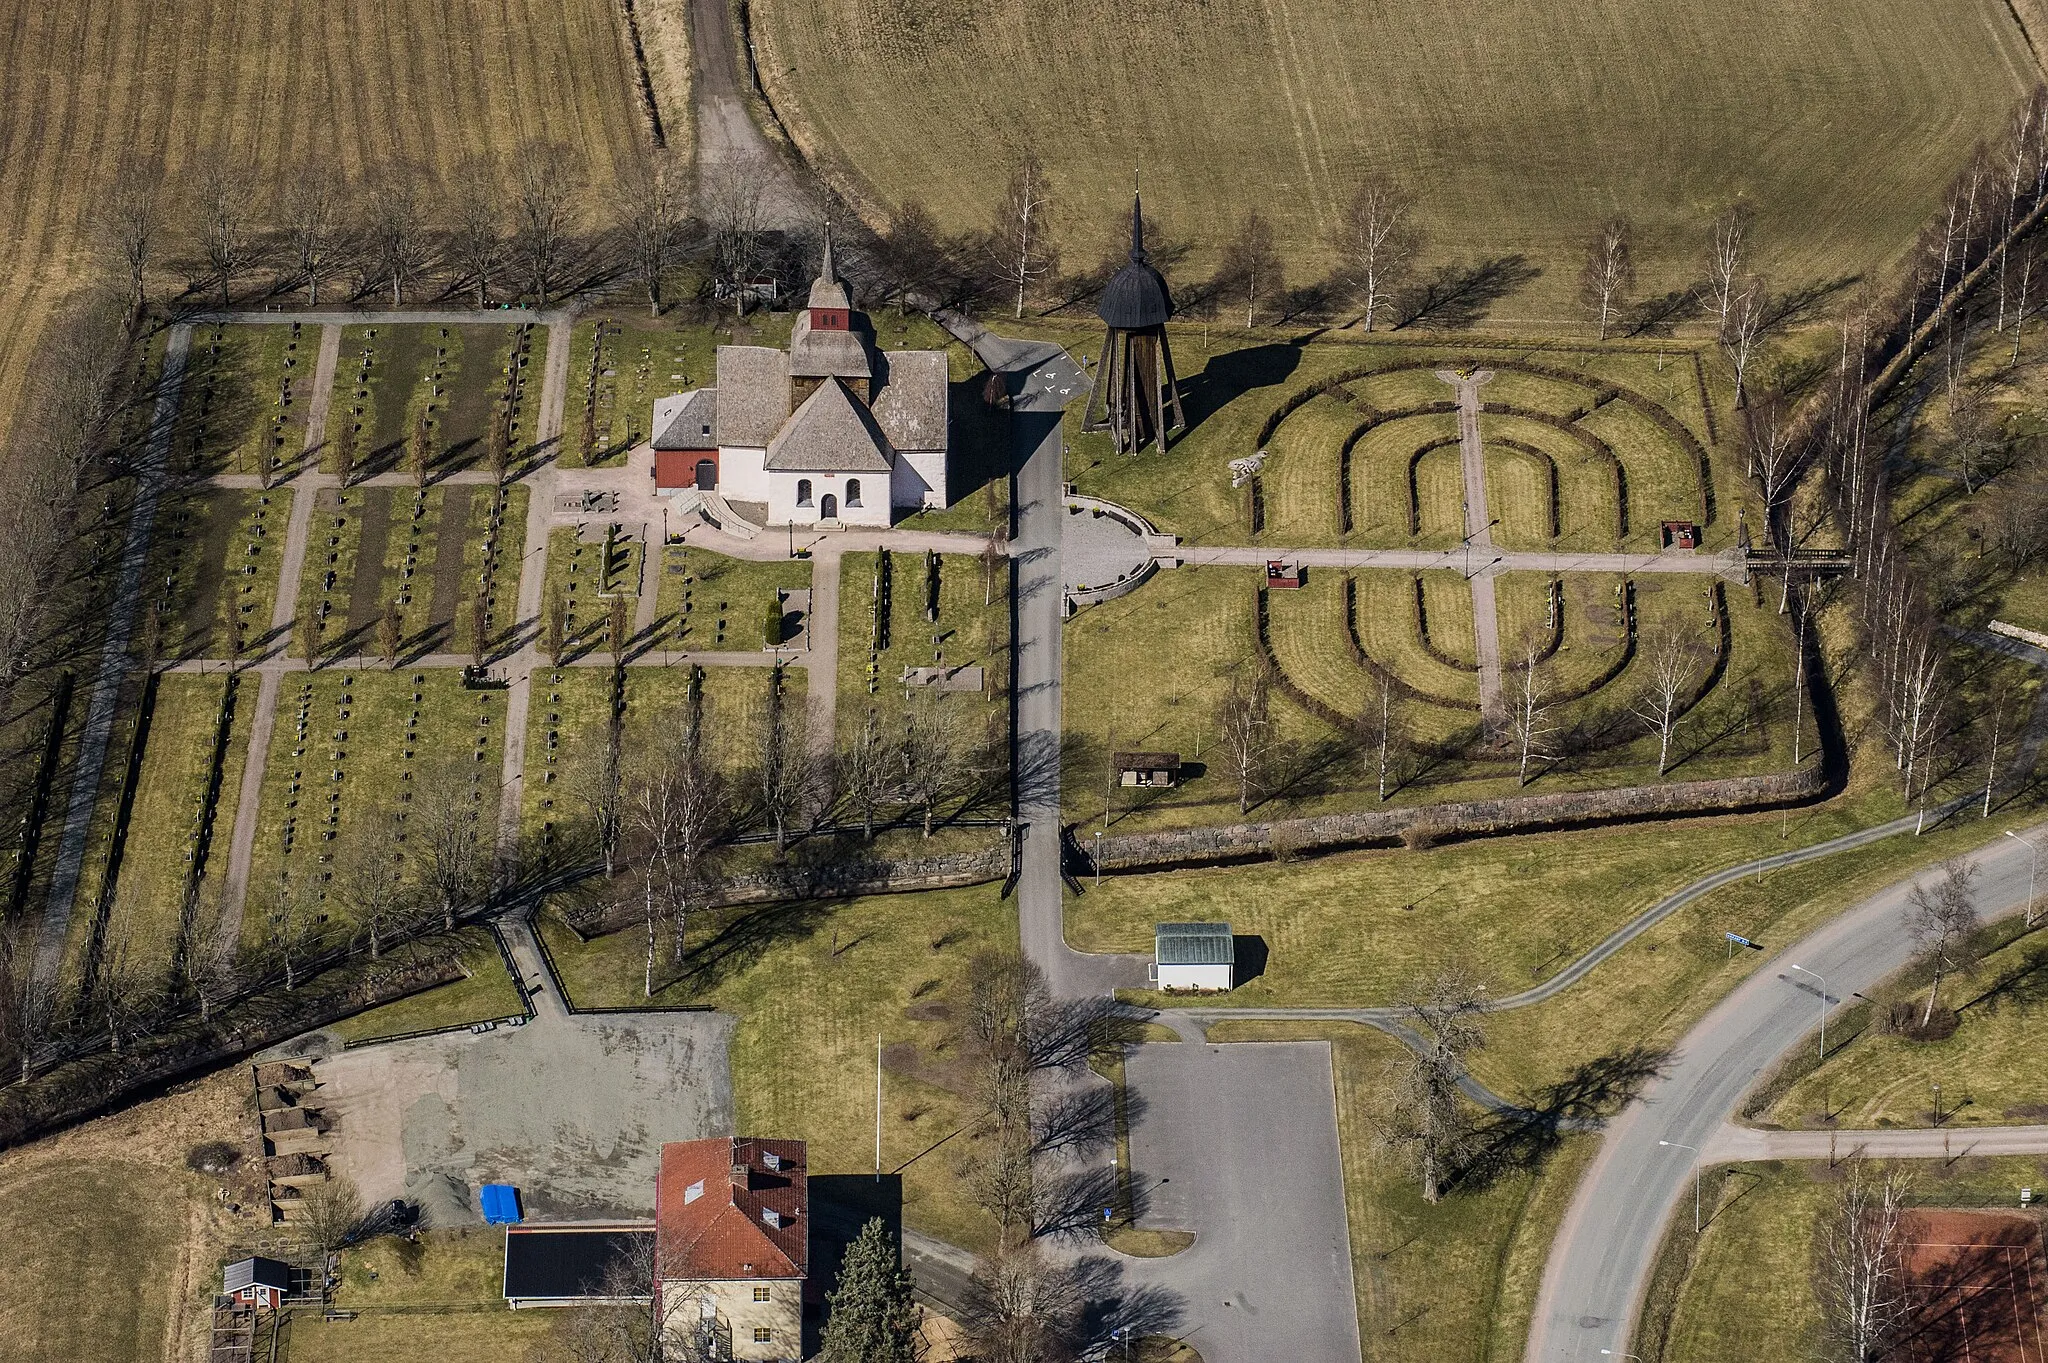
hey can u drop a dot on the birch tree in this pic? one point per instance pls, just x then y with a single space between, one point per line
1251 265
1859 1270
1020 243
1726 256
1380 729
931 756
675 806
1943 922
1609 272
1377 242
1529 721
1746 324
1245 732
1669 661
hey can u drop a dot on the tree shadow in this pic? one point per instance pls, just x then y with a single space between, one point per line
1459 294
1229 376
1521 1139
1114 1309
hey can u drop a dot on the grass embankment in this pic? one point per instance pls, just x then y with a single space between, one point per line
1452 1281
352 746
1988 1072
486 992
814 986
1565 113
1744 1289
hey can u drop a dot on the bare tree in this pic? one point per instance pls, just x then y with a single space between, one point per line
28 998
1669 662
1425 1115
419 449
651 208
872 772
1530 722
447 815
783 773
1020 244
1609 272
133 223
732 198
334 1211
1859 1270
480 244
1380 728
1250 266
345 450
313 226
1025 1309
390 633
554 626
368 881
1244 729
931 756
674 806
601 790
224 213
1726 257
398 231
1974 442
1943 922
1377 242
1747 318
546 186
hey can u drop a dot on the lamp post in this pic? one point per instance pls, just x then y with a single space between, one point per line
2032 868
1823 1007
1098 858
1611 1354
1696 1223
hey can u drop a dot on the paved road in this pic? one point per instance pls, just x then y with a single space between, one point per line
1733 1144
1594 1278
113 669
725 129
1479 535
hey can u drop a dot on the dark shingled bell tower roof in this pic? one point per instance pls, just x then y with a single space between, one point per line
1136 297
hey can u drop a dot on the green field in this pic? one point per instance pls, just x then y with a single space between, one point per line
215 561
246 394
1518 130
814 985
706 600
486 992
458 377
972 629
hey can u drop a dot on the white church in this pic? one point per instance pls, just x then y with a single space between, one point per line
831 432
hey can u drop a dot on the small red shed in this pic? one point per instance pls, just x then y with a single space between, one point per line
260 1282
1282 573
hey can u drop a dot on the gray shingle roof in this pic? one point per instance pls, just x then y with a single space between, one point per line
253 1272
911 406
1193 944
687 421
818 354
830 433
753 394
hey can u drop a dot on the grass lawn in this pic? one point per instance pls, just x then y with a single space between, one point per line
164 825
1561 113
246 393
813 986
487 993
458 377
351 745
972 628
1989 1071
467 1337
1745 1288
462 1266
587 574
705 600
217 554
1452 1281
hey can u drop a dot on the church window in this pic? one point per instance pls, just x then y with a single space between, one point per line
803 492
853 492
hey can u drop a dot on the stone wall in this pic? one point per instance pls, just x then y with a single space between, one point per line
1511 814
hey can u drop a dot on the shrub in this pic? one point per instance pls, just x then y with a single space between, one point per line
212 1157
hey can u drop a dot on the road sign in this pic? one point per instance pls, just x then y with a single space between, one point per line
1740 940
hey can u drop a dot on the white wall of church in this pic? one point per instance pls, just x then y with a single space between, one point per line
787 504
926 475
740 475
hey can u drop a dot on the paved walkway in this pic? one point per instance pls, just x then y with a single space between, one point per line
1594 1278
113 668
1735 1144
1479 539
1469 561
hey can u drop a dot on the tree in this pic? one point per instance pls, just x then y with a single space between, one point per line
333 1211
398 231
554 626
1380 726
931 755
1747 318
224 196
784 771
870 771
675 808
1250 267
731 197
308 629
1245 732
1377 242
1943 922
1774 457
390 633
313 227
651 209
545 188
1859 1270
367 879
498 444
1020 244
445 814
1024 1309
345 451
1529 722
601 790
1668 662
1609 272
1973 437
1726 256
1425 1115
479 243
872 1316
133 222
618 629
419 450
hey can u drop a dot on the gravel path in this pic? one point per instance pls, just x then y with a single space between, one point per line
1479 542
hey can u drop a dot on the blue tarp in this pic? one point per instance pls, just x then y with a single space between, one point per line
501 1204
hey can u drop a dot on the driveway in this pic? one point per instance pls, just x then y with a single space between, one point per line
1238 1143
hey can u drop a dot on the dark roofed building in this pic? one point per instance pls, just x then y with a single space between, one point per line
578 1265
258 1281
1135 396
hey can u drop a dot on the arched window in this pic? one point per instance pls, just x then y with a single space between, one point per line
803 492
853 492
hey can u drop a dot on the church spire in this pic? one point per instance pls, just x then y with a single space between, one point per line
825 267
1137 227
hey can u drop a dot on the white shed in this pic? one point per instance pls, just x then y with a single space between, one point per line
1193 956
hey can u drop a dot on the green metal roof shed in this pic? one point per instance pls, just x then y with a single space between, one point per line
1193 956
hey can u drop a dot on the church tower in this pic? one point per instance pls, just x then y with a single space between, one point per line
1135 387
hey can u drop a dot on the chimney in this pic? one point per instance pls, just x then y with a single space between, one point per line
739 1176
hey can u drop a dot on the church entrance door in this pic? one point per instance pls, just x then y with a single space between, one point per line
828 508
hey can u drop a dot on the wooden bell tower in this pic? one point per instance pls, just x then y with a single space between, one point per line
1135 396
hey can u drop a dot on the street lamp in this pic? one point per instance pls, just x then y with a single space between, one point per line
1098 858
1696 1224
2032 868
1823 1007
1611 1354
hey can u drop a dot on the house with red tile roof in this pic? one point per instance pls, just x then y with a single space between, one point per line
732 1245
